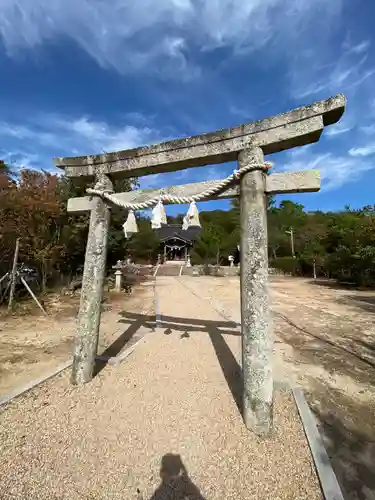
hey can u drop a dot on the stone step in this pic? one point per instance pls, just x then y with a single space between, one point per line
169 270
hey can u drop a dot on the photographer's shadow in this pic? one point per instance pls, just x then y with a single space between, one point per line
175 481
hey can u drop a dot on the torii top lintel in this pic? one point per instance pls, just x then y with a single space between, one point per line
284 131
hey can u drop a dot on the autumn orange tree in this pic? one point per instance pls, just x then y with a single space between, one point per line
31 210
8 188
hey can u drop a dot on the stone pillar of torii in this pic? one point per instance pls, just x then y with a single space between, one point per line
247 144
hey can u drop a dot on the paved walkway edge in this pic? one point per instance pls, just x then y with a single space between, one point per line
110 360
118 359
327 478
21 390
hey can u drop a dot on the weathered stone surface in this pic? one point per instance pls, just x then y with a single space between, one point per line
288 182
257 341
307 181
86 342
294 128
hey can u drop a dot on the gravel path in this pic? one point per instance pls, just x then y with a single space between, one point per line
324 342
168 412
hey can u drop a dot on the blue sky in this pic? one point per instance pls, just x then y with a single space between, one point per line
83 76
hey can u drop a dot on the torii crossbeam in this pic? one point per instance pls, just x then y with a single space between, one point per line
247 144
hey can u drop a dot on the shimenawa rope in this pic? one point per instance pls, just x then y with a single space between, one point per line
219 187
159 217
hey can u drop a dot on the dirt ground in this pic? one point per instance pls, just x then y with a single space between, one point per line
164 424
325 342
32 345
328 344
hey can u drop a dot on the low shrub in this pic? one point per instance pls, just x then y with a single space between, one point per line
288 265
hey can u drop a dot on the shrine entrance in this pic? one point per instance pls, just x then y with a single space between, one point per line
176 243
247 144
175 250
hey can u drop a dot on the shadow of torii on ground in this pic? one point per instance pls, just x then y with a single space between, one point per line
215 329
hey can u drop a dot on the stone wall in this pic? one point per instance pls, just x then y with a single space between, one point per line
211 271
221 271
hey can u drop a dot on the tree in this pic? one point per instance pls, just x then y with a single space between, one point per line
144 245
33 208
207 248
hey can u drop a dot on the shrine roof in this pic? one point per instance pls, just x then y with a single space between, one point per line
170 231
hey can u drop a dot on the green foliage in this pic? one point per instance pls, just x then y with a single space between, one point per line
144 246
219 237
208 246
341 244
33 207
287 265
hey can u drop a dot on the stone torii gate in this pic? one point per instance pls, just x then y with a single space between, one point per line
247 144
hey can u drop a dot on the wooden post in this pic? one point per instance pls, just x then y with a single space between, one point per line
13 275
24 282
85 348
257 341
291 242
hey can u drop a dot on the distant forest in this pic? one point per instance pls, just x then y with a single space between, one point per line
33 208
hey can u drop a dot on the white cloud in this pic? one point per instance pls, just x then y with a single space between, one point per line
364 151
33 145
19 159
335 170
100 136
351 72
186 176
24 133
336 74
338 128
158 35
359 48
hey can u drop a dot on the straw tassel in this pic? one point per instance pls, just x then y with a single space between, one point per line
130 226
159 216
185 223
192 217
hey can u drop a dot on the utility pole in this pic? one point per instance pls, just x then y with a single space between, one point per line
291 241
13 275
